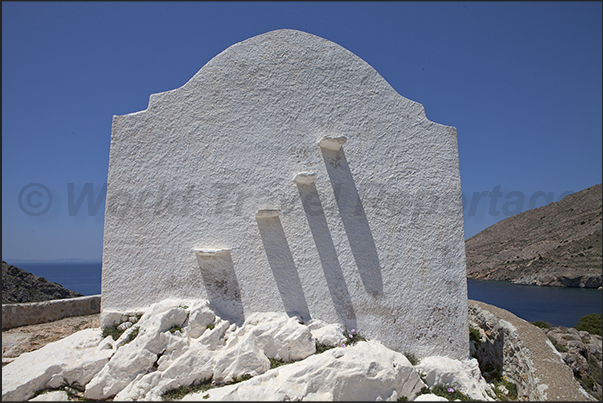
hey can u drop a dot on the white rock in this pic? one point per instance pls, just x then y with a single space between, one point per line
76 358
124 326
262 336
196 364
330 334
54 396
200 317
365 371
139 355
158 360
107 343
225 352
245 357
462 375
430 397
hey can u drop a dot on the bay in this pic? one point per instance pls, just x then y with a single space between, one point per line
559 306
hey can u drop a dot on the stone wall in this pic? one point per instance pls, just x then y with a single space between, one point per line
14 315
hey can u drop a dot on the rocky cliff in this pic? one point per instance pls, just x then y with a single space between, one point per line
19 286
554 245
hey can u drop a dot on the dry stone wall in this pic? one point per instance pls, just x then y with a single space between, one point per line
14 315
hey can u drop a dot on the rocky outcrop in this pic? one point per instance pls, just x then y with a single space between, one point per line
367 371
554 245
19 286
511 348
582 352
185 345
76 358
184 349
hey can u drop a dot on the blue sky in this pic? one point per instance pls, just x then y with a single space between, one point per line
521 82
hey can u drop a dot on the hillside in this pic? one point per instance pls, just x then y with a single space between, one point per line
554 245
20 286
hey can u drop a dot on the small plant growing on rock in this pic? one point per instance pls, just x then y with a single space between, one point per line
321 348
352 337
447 391
180 392
411 357
276 362
175 328
74 390
237 379
474 335
504 389
112 331
211 326
132 335
176 393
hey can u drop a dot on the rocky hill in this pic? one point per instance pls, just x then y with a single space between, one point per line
554 245
19 286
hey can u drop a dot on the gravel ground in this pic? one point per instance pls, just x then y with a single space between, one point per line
23 339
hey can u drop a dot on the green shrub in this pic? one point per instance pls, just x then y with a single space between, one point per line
591 323
175 328
474 335
211 326
541 324
558 346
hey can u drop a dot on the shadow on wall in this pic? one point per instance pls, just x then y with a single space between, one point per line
220 280
354 220
282 265
327 253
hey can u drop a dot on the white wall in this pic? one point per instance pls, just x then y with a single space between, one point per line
375 242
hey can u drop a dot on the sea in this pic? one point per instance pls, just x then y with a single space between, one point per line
559 306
